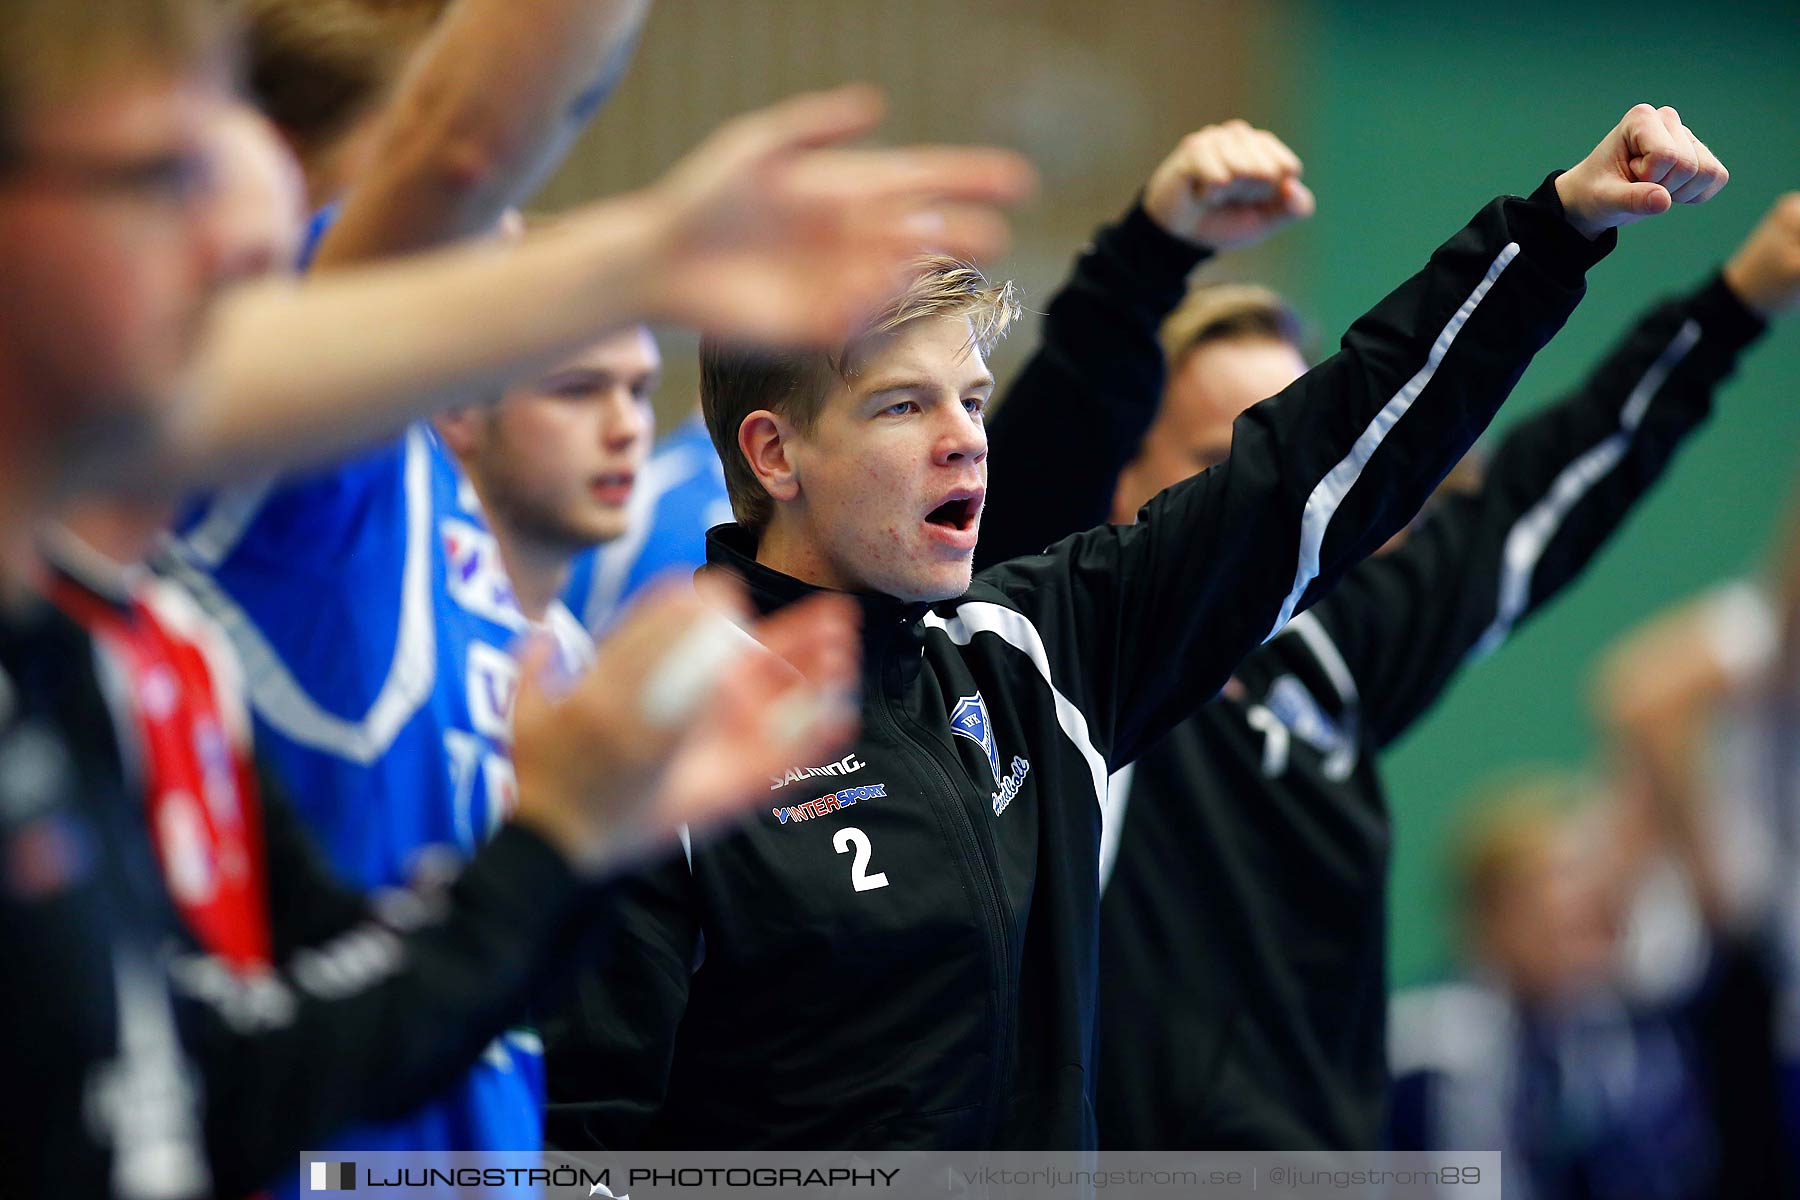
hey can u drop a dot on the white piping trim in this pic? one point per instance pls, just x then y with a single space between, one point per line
1533 532
1017 631
1322 505
412 673
1112 820
574 642
227 517
1325 651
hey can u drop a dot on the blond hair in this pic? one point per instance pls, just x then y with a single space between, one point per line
1220 312
1515 826
317 66
52 51
737 380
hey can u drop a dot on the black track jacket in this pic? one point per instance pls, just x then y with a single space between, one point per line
899 951
1243 944
135 1065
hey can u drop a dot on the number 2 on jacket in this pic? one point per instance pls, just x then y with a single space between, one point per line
860 879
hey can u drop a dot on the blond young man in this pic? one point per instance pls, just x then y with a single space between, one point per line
901 951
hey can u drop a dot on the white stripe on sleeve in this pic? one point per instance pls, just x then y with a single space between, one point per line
1533 532
1322 505
1016 630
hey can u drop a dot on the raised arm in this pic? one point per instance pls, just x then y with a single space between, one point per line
1098 368
1158 614
497 97
770 230
1559 486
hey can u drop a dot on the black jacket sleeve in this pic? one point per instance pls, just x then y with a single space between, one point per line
308 903
1559 485
608 1055
1141 624
371 1023
1075 415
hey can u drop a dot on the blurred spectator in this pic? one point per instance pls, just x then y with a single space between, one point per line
1537 1052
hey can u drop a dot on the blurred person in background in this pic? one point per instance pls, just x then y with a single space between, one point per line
1631 1031
381 599
963 884
1542 1052
1293 1053
1699 712
434 155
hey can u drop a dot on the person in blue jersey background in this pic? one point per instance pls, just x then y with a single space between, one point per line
561 465
377 602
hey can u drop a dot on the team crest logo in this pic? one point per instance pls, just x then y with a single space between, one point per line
970 719
1295 707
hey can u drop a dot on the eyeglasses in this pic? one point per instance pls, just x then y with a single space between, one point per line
174 178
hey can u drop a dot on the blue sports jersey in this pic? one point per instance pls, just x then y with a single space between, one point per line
376 625
679 496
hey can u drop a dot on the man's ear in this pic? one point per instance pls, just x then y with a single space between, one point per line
765 439
463 428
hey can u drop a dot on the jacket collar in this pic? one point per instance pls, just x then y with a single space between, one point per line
68 559
889 625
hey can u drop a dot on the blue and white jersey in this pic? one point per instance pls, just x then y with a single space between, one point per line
679 496
377 626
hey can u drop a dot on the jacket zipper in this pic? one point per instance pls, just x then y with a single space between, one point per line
998 929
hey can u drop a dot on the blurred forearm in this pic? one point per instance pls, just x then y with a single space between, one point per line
496 99
297 372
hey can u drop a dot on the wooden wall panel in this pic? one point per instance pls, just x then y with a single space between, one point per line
1095 93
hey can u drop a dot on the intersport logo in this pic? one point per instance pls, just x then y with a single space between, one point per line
847 765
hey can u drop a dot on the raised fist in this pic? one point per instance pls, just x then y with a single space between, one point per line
1648 163
1227 186
1765 271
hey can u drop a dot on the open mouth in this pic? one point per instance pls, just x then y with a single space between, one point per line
613 488
958 512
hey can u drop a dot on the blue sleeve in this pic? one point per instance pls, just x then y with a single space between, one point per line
325 518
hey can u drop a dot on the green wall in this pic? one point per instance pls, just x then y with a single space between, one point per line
1409 116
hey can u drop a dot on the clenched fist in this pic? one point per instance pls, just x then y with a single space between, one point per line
1228 186
1648 163
1765 271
